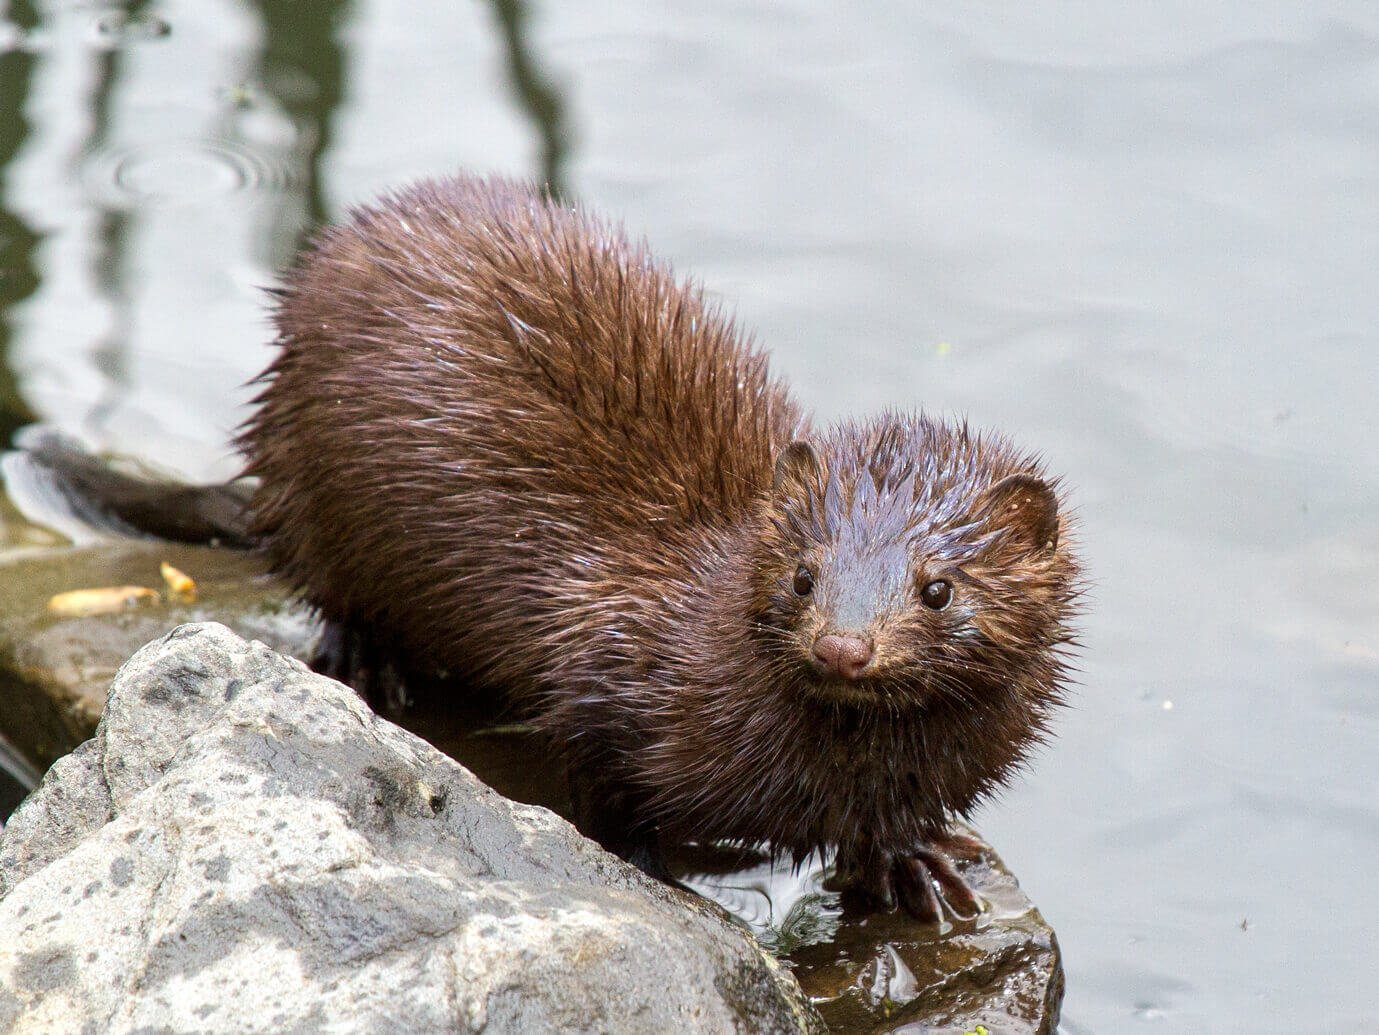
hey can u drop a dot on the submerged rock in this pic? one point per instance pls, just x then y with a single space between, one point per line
55 669
244 846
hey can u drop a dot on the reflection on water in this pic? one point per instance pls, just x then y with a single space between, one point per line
785 906
302 67
110 261
536 91
169 211
117 28
180 171
245 152
18 278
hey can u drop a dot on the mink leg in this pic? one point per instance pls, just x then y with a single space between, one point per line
918 872
913 879
353 655
610 813
863 874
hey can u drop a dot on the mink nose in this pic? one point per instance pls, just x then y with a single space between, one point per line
845 655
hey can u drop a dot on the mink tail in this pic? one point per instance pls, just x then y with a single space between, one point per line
54 481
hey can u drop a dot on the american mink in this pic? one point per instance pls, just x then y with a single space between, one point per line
500 437
501 440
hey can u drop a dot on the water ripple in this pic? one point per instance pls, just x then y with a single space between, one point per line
115 28
181 171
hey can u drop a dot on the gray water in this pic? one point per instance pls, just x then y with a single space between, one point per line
1141 238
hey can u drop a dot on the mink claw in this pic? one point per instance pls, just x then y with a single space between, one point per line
916 887
957 892
923 881
924 872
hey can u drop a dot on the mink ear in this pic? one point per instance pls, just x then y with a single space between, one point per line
1026 507
797 463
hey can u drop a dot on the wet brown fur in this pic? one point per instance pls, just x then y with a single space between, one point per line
508 443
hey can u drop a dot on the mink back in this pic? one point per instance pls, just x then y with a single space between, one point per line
488 415
503 441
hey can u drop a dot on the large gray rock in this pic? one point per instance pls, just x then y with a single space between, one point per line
244 847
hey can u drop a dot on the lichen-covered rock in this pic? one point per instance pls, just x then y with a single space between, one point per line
244 847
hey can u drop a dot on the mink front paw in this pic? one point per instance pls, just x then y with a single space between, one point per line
920 881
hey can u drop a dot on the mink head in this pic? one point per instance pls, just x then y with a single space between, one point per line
909 561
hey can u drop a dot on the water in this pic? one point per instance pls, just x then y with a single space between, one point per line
17 778
1141 238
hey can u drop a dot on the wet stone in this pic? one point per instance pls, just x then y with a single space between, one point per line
883 972
55 671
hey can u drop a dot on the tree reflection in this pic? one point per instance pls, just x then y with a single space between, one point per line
18 277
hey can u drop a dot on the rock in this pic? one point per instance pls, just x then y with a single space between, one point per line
243 846
1001 972
54 672
863 972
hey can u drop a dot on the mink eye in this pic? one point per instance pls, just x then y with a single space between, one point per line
937 594
804 581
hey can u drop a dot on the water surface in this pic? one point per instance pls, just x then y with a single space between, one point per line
1141 238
